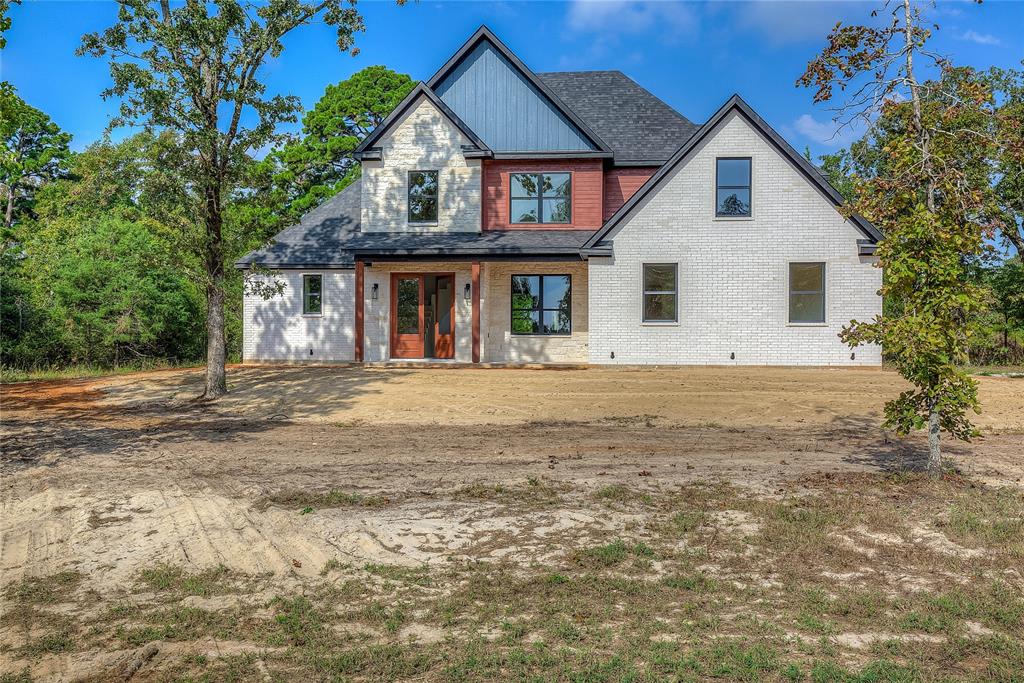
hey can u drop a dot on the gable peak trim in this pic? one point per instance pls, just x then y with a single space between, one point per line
421 90
485 34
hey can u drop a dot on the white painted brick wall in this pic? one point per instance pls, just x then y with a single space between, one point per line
276 330
500 345
733 274
424 140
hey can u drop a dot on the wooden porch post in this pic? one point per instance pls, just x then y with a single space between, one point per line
360 266
476 311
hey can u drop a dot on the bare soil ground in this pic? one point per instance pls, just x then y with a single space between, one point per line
598 524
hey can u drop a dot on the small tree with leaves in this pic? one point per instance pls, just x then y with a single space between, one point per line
194 70
932 198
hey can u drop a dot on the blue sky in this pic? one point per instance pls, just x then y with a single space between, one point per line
692 55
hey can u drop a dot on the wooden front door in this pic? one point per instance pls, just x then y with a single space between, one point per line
406 316
413 306
444 317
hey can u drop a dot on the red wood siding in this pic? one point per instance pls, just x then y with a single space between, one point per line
587 189
620 184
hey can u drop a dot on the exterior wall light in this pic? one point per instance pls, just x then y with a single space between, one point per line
373 291
468 292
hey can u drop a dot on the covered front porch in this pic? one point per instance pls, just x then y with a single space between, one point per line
471 311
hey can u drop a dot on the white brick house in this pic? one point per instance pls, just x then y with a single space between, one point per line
506 217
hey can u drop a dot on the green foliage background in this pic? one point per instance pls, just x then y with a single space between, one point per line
95 267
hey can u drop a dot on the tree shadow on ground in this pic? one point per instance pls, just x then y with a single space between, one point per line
52 421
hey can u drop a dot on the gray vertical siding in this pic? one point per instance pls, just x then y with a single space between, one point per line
507 111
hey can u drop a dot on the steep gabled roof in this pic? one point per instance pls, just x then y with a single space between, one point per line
485 34
420 90
735 103
640 128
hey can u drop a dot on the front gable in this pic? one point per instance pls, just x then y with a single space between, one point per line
423 137
505 104
788 189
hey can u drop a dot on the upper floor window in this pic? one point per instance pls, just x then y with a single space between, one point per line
312 294
806 292
422 196
732 187
541 198
541 304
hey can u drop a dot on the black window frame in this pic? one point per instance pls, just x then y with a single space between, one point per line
644 292
437 198
307 295
749 187
791 292
539 308
539 198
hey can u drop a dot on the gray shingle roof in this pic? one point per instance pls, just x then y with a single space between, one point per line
329 237
319 240
633 122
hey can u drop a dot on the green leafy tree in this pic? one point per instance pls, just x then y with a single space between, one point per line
194 70
35 151
116 296
1008 85
5 19
930 198
319 165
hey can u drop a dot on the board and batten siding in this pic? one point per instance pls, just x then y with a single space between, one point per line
423 140
586 193
276 330
499 104
733 273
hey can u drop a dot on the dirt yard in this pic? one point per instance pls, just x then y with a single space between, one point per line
472 525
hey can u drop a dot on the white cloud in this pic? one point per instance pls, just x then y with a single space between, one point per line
826 134
782 22
668 19
980 38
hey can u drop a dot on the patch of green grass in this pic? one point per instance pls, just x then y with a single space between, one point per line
171 578
181 624
606 555
299 620
23 676
535 491
374 662
992 518
390 618
333 565
49 643
43 590
696 583
417 576
619 493
686 521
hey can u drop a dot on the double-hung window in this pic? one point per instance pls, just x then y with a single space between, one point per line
422 196
312 294
541 304
540 198
806 293
661 293
732 187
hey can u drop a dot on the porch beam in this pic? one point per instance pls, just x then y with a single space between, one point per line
360 302
476 311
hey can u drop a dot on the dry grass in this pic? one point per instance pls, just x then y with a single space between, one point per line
714 583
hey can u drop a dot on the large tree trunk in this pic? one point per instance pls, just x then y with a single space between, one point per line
934 467
216 349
